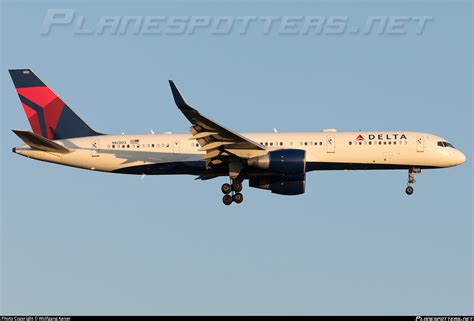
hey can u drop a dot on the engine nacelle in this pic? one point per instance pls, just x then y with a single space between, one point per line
284 161
283 185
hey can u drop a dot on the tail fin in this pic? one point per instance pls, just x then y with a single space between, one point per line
48 115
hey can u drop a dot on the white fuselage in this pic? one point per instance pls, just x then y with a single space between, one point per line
165 153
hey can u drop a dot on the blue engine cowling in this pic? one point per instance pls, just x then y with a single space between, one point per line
283 185
283 161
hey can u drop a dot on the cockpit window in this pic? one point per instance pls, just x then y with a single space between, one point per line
445 144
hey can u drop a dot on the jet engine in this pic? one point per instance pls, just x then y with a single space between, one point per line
283 185
282 161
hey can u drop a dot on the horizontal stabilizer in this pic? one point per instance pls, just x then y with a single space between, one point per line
40 143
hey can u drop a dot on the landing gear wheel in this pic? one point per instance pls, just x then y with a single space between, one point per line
227 199
238 198
237 186
226 188
412 171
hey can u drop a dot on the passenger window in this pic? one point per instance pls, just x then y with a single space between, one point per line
113 146
350 143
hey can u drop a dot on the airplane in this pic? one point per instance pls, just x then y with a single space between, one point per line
273 161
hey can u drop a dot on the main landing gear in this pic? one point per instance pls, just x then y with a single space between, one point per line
411 179
232 192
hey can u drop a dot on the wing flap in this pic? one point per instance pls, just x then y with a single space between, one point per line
202 135
214 145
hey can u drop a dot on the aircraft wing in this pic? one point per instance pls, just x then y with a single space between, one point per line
214 138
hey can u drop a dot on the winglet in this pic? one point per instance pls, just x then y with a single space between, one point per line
187 110
178 98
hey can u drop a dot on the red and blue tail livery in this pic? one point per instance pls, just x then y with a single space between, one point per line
48 115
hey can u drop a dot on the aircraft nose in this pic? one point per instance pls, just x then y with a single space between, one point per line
459 157
462 158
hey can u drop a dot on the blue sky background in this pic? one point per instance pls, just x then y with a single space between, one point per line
80 242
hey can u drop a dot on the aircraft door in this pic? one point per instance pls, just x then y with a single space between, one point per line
95 147
330 143
420 144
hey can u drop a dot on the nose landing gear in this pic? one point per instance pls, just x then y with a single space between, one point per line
232 192
412 171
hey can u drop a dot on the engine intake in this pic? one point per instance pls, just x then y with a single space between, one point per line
284 161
